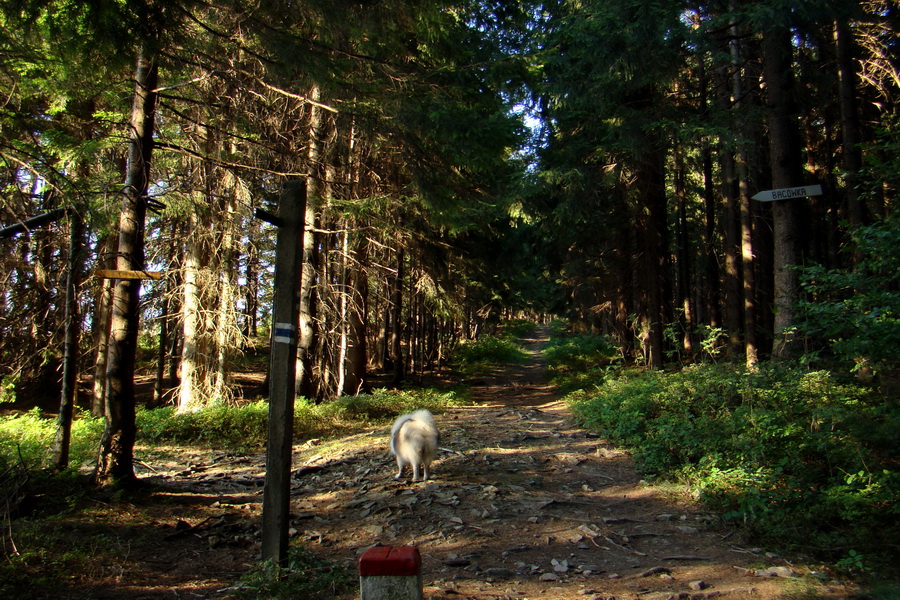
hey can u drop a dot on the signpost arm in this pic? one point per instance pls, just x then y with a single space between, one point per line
277 491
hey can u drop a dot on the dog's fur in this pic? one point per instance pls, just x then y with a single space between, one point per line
414 441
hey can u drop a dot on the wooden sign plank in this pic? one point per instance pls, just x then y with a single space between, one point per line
112 274
788 193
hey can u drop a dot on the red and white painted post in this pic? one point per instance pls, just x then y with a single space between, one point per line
390 573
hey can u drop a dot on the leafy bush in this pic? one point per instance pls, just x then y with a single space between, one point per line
856 313
797 455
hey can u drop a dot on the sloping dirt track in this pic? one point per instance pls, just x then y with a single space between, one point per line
522 504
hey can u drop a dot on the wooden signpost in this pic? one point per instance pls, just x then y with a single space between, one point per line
282 369
113 274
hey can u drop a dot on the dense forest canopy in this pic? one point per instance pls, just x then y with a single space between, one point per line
464 163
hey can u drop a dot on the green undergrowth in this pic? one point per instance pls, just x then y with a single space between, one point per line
52 536
306 575
26 439
576 361
477 357
245 425
800 458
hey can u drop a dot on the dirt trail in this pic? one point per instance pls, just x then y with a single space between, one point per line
522 504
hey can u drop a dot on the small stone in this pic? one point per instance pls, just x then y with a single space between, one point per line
775 572
697 585
560 566
687 529
654 571
665 517
549 577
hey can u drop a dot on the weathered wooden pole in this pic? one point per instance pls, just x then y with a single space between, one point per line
285 312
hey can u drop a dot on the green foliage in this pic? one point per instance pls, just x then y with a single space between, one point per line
478 356
857 312
27 438
797 455
574 361
517 328
305 576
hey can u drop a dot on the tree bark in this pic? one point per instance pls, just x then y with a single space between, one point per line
115 462
396 354
751 343
69 389
190 316
101 317
355 355
784 160
850 127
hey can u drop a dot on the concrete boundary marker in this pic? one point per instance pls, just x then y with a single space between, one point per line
390 573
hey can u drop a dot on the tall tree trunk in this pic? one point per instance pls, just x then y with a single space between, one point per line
396 353
306 384
683 298
226 323
751 344
162 347
710 273
251 289
101 317
355 359
784 159
192 343
850 127
317 187
115 462
69 389
657 281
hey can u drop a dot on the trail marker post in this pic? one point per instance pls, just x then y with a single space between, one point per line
282 365
390 573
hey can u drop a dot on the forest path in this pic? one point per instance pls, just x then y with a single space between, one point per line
522 504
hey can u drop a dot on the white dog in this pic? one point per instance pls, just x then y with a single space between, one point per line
414 441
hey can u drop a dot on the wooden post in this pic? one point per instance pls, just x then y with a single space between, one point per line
277 491
390 573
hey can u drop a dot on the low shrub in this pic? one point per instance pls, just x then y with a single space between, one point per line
796 455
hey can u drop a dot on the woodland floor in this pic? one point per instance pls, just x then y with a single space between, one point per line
522 504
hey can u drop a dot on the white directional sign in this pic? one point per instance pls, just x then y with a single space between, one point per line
788 193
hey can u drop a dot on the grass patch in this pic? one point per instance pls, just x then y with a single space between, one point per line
480 356
26 439
244 426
